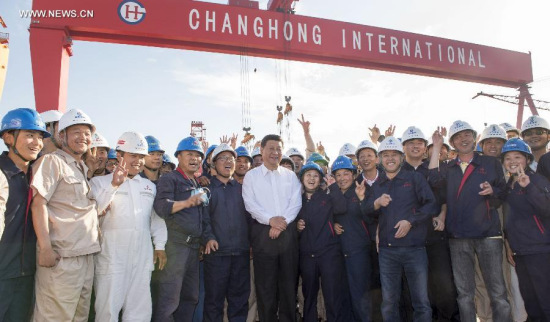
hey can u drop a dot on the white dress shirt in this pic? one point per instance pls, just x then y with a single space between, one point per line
271 193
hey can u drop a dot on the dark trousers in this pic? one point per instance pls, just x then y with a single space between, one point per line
534 284
329 267
414 261
178 284
441 285
16 299
275 272
226 277
358 270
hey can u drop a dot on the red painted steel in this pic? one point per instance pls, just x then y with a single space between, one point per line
195 25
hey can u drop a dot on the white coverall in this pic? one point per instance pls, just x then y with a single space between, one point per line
124 265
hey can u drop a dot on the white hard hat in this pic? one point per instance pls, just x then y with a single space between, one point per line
459 126
390 144
534 121
493 131
347 149
411 133
295 152
132 142
74 117
51 116
509 127
98 141
365 144
256 152
222 148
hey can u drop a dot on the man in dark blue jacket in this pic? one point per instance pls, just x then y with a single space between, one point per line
475 189
179 201
23 132
226 259
404 205
441 287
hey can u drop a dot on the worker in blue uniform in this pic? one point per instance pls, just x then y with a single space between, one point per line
527 210
179 201
23 132
321 257
355 240
404 204
227 251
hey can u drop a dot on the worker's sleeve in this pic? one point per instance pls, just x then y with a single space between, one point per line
252 206
46 176
103 192
339 201
159 233
499 186
4 195
164 200
207 232
295 202
426 200
367 207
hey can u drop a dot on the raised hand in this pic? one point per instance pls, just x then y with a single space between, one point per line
305 124
204 146
443 131
390 130
234 140
329 180
320 148
225 139
360 190
437 139
374 134
523 179
120 173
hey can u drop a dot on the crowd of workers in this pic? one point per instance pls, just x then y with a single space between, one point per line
446 228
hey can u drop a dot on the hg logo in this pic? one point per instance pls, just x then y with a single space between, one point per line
131 12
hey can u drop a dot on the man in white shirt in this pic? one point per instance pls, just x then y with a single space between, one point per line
272 195
124 265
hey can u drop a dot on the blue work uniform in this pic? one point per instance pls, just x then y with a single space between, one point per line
17 246
227 270
413 201
526 223
179 280
320 254
356 244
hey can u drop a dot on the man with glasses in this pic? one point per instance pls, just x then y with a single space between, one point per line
534 132
226 259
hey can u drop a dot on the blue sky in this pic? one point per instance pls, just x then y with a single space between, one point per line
160 91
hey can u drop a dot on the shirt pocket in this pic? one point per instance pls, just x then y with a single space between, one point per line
73 188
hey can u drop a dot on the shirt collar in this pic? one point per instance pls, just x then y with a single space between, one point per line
265 170
10 168
217 182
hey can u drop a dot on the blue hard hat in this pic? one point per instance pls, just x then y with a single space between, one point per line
210 150
190 143
517 144
111 154
153 144
310 165
343 162
167 160
23 119
316 157
242 151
